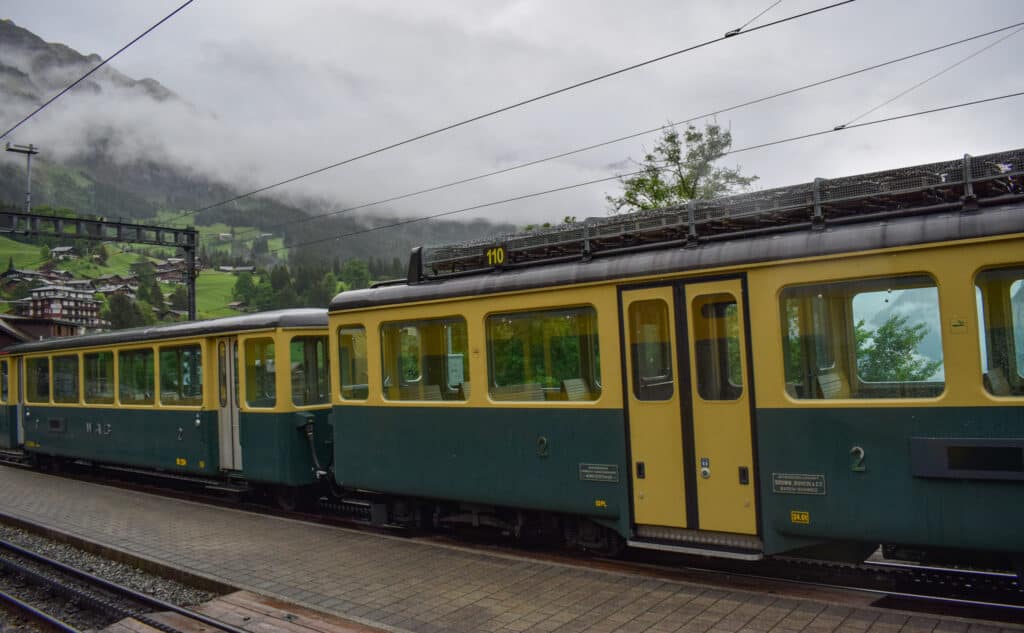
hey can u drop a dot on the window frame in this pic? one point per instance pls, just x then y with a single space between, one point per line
159 371
77 376
30 399
342 387
325 374
446 394
593 383
1010 374
113 377
119 373
243 370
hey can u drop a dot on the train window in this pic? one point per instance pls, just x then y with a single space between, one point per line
4 373
651 350
37 379
352 362
222 374
546 355
181 375
65 378
425 360
309 370
871 338
99 377
1000 295
135 376
260 373
716 347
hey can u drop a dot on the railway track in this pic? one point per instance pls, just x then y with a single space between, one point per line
93 593
989 595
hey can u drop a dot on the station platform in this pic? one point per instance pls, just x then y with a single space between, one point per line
398 584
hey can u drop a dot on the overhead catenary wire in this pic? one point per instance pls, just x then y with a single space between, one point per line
626 175
751 20
515 105
631 136
95 68
931 77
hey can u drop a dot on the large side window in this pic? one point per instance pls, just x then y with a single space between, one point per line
136 382
99 377
1000 295
260 373
309 370
65 378
872 338
181 375
651 349
352 362
425 360
37 379
544 355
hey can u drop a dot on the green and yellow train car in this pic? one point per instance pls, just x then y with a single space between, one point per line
242 398
840 362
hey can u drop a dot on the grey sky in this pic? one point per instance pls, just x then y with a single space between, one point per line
284 91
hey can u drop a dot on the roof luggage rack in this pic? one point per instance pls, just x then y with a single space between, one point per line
919 189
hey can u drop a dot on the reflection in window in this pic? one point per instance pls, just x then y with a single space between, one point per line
99 377
309 370
547 355
65 379
872 338
1000 295
135 376
716 347
260 373
425 360
181 375
651 349
352 362
37 375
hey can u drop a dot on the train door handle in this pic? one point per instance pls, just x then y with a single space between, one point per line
641 470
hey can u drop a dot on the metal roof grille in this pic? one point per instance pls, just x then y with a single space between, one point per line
965 180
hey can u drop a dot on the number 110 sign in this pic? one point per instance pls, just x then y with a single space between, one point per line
495 256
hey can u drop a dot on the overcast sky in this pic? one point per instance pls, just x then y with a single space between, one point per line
288 87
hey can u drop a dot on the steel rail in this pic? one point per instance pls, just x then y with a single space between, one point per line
120 590
36 614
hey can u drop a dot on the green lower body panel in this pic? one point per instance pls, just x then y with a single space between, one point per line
861 475
8 426
568 461
166 440
275 448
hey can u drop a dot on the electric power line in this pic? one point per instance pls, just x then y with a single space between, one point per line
626 175
95 68
941 72
629 136
517 104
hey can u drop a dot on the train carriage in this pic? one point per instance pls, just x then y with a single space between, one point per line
836 363
241 398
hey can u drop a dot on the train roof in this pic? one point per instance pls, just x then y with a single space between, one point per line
292 318
965 198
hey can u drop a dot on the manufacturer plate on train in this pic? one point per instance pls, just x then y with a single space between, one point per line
599 472
798 484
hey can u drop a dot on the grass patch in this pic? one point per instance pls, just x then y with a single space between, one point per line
25 255
213 294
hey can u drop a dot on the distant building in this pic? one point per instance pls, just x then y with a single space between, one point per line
63 252
61 302
19 329
236 269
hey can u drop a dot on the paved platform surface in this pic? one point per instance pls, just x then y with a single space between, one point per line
406 585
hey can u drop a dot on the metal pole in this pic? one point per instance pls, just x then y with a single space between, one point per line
28 182
190 279
27 150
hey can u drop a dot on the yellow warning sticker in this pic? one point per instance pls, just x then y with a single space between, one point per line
600 503
799 516
181 461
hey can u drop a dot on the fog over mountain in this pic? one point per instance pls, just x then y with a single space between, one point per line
123 147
